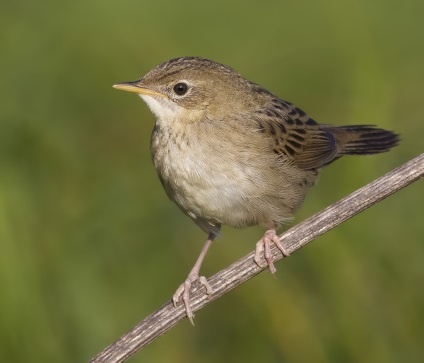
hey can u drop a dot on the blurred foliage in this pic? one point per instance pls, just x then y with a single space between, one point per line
89 243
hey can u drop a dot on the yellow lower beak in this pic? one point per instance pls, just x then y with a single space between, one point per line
134 87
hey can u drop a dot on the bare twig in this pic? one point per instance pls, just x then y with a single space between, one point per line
167 316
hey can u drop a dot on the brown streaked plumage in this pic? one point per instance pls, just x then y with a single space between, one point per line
229 152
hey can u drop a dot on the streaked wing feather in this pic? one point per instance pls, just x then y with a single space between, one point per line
297 136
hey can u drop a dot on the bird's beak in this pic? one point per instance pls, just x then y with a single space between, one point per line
137 88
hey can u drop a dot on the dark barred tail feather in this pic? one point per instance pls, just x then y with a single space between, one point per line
363 139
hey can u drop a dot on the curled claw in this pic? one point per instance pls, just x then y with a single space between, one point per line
265 244
183 292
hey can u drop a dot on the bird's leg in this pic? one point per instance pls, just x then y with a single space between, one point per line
184 289
265 244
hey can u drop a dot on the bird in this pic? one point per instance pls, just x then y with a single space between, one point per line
229 152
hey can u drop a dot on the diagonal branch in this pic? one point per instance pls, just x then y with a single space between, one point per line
244 269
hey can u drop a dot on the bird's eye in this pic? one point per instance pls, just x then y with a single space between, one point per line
181 88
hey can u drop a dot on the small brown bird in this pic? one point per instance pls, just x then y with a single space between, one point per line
229 152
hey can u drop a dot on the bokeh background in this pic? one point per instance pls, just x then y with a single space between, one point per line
89 243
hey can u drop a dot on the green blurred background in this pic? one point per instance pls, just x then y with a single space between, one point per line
89 243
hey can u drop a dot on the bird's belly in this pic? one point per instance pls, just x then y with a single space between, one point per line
204 193
206 188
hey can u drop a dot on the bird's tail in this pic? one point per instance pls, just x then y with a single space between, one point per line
362 139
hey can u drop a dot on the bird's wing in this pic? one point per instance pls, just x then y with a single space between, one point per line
296 136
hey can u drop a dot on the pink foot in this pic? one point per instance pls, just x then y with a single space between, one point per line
265 244
183 292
